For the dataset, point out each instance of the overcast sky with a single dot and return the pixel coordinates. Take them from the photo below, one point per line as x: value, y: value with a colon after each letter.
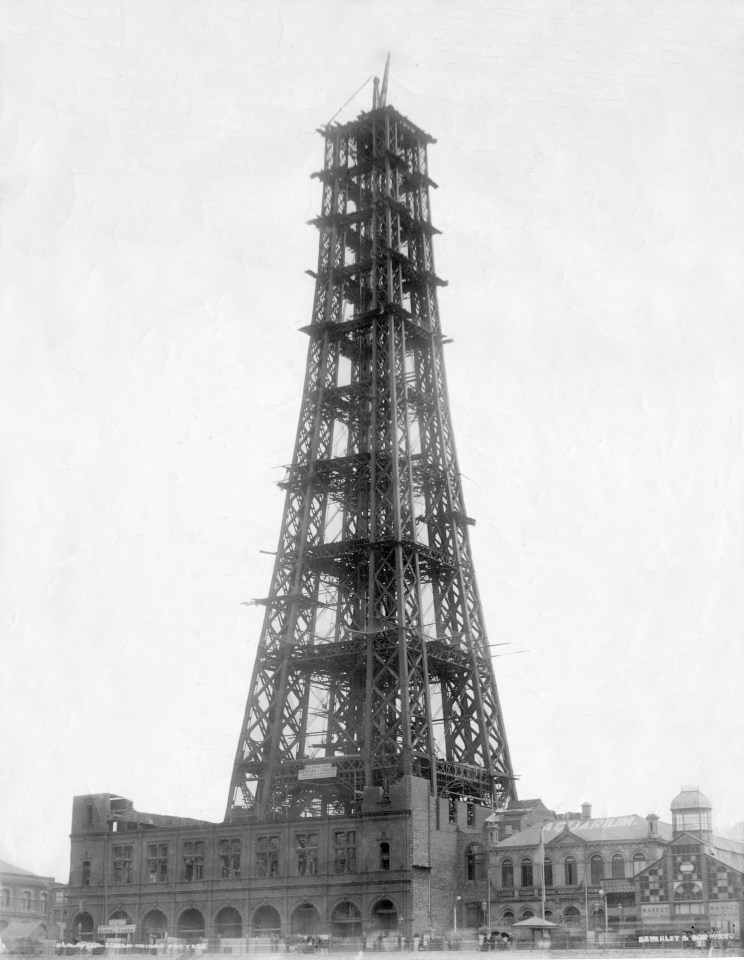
x: 157, y: 159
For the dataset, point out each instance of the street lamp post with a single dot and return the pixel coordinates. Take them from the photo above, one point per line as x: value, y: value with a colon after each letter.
x: 457, y: 900
x: 603, y: 894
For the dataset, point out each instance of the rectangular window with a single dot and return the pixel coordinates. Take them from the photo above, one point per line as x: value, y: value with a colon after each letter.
x: 88, y: 814
x: 157, y: 862
x: 475, y: 862
x: 122, y: 864
x: 229, y: 852
x: 85, y: 877
x: 193, y: 860
x: 507, y: 874
x: 344, y: 851
x: 571, y: 872
x: 306, y: 845
x: 693, y: 822
x: 267, y: 856
x: 548, y: 873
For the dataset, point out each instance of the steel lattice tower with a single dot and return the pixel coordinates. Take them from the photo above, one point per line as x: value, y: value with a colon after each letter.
x: 373, y: 661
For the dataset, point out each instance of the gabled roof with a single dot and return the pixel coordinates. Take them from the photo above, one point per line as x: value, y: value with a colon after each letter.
x: 726, y: 843
x: 8, y: 870
x: 566, y: 835
x: 600, y: 830
x: 728, y: 852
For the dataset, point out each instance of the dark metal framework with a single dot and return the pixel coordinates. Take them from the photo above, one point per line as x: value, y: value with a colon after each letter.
x: 373, y: 661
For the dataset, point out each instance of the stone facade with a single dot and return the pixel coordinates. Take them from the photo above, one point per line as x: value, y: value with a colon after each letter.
x: 589, y: 865
x: 646, y: 875
x: 30, y: 900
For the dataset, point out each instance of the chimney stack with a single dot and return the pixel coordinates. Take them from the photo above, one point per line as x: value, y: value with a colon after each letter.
x: 586, y: 811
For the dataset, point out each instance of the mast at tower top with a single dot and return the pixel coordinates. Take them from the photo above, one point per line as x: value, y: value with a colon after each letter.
x: 373, y: 663
x: 379, y: 96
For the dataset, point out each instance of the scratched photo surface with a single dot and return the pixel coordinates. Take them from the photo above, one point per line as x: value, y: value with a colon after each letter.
x: 157, y: 191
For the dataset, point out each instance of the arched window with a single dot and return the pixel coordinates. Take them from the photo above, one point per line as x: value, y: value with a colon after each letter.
x: 527, y: 915
x: 385, y: 915
x: 639, y: 862
x: 571, y: 916
x: 266, y: 921
x: 526, y: 872
x: 618, y: 867
x: 43, y: 902
x: 306, y: 921
x: 475, y: 862
x: 508, y: 917
x: 4, y: 897
x: 548, y: 872
x: 154, y: 925
x: 507, y: 873
x: 570, y: 872
x: 346, y: 921
x: 26, y: 900
x: 688, y: 891
x: 190, y: 925
x: 228, y: 923
x: 85, y: 876
x: 83, y: 927
x: 596, y: 866
x: 384, y: 855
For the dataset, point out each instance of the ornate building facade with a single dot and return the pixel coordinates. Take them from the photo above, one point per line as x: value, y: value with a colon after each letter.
x: 699, y: 879
x: 576, y: 865
x: 616, y: 874
x: 30, y: 905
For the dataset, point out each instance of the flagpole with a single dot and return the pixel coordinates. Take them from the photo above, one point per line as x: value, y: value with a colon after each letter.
x: 542, y: 867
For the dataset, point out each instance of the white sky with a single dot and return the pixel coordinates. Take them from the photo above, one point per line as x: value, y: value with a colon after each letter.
x: 156, y: 186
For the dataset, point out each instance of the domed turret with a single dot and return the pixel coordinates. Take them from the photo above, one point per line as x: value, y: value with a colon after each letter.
x: 692, y: 813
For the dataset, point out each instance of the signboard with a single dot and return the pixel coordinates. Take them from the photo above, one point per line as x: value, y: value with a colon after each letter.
x: 699, y: 938
x: 317, y: 771
x: 723, y: 908
x: 653, y: 912
x: 687, y: 867
x: 572, y: 891
x: 120, y: 927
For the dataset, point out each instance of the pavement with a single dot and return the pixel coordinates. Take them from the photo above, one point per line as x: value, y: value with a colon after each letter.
x: 590, y: 952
